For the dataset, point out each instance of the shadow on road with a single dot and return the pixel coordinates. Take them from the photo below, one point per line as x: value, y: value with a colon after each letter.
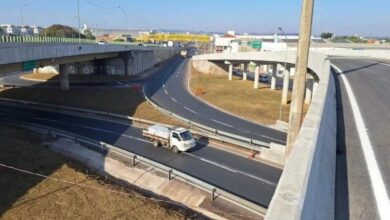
x: 341, y: 191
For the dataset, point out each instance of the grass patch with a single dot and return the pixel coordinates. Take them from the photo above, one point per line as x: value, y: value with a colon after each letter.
x: 25, y: 196
x: 126, y: 101
x: 53, y: 77
x: 239, y: 98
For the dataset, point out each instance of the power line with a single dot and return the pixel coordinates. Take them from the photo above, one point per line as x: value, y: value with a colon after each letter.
x: 115, y: 191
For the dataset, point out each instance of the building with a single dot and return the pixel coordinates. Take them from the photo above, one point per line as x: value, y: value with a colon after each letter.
x: 22, y: 30
x: 231, y: 43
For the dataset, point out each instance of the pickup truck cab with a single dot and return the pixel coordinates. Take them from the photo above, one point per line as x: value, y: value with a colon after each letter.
x: 177, y: 139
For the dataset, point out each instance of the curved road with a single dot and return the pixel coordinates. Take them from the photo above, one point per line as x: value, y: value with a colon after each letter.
x: 251, y: 180
x: 169, y: 89
x: 363, y: 151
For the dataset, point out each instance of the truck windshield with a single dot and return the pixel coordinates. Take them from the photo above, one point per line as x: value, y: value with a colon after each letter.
x: 185, y: 136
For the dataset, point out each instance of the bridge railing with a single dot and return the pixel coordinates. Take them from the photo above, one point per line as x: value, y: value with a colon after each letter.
x: 306, y: 187
x: 64, y: 40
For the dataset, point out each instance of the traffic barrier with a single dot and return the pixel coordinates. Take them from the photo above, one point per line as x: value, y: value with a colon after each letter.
x: 134, y: 159
x: 211, y: 134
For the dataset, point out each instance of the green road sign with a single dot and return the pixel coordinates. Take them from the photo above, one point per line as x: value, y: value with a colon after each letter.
x: 29, y: 65
x: 257, y: 44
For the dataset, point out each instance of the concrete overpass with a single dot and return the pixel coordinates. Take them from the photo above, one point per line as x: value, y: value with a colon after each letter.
x: 82, y: 59
x: 306, y: 189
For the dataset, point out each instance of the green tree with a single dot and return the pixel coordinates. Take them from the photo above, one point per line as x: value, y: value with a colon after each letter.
x: 89, y: 35
x: 327, y: 35
x: 58, y: 30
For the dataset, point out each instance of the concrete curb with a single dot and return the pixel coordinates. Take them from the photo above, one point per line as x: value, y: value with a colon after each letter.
x: 127, y: 157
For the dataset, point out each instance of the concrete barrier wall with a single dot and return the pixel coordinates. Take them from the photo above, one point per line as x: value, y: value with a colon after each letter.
x: 207, y: 67
x: 90, y: 59
x: 24, y: 53
x: 372, y: 53
x: 306, y: 187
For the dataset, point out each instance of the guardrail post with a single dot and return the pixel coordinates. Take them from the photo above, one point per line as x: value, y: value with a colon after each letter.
x: 213, y: 191
x: 170, y: 174
x: 133, y: 162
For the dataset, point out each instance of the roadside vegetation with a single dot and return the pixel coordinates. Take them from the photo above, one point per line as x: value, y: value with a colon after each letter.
x: 87, y: 195
x: 239, y: 98
x: 55, y: 77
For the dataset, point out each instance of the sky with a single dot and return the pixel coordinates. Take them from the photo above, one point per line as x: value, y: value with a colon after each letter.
x: 342, y: 17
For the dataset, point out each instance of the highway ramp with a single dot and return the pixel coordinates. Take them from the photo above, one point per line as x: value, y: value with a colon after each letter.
x: 169, y: 89
x: 248, y: 179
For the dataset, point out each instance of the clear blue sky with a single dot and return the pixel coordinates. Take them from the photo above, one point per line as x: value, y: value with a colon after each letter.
x: 368, y: 18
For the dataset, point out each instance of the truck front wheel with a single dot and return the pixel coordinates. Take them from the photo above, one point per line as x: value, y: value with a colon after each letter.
x: 175, y: 150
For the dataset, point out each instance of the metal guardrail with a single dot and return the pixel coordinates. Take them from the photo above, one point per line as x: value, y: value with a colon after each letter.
x: 64, y: 40
x: 209, y: 132
x: 107, y: 149
x: 223, y: 136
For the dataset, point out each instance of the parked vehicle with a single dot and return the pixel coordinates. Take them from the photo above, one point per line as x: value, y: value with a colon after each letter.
x: 177, y: 139
x: 264, y: 79
x: 184, y: 53
x: 102, y: 42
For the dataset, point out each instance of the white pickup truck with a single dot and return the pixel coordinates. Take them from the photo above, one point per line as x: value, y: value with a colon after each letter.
x: 177, y: 139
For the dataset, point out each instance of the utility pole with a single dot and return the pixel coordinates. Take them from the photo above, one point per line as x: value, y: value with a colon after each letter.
x: 78, y: 16
x: 125, y: 14
x: 21, y: 13
x: 296, y: 111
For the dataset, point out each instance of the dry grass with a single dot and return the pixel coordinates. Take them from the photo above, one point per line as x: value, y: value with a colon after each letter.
x: 126, y: 101
x: 24, y: 196
x: 238, y: 97
x: 53, y: 77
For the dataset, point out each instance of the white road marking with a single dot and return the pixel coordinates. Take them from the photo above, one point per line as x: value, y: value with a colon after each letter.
x: 221, y: 123
x: 174, y: 100
x: 166, y: 92
x: 385, y: 64
x: 230, y: 169
x: 110, y: 132
x: 190, y: 110
x: 377, y: 183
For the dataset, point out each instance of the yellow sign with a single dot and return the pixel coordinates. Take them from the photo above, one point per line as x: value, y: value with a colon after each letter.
x: 173, y: 37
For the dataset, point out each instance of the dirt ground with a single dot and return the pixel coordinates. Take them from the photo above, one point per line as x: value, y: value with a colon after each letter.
x: 54, y: 77
x: 238, y: 97
x: 87, y: 195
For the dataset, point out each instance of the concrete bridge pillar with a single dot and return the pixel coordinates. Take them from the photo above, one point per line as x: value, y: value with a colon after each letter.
x: 245, y: 71
x: 64, y: 77
x: 315, y: 85
x: 257, y: 75
x: 230, y: 70
x: 273, y: 76
x: 308, y: 93
x: 286, y: 83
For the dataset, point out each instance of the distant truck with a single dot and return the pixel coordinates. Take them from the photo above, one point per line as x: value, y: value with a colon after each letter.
x: 184, y: 53
x: 177, y: 139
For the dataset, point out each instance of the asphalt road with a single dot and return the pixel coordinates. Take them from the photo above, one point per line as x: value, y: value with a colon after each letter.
x: 243, y: 177
x: 355, y: 183
x: 169, y: 89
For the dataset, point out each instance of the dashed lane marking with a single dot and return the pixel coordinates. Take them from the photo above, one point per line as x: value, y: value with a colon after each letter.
x: 190, y: 110
x: 221, y: 123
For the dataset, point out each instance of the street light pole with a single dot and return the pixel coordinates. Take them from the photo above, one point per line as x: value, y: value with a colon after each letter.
x: 21, y: 13
x: 296, y: 112
x: 78, y: 16
x: 285, y: 69
x: 124, y: 12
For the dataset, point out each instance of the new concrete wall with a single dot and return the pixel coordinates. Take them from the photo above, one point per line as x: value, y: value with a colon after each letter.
x: 206, y: 67
x: 306, y: 187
